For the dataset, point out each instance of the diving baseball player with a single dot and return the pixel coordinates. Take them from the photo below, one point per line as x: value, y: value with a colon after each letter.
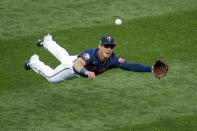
x: 86, y: 64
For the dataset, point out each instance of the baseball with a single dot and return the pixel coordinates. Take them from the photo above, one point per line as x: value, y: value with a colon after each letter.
x: 118, y: 21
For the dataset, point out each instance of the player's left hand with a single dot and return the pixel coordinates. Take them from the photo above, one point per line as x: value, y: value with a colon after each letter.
x: 91, y: 75
x: 160, y: 68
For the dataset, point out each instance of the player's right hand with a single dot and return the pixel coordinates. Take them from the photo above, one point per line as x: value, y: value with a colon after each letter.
x: 91, y: 75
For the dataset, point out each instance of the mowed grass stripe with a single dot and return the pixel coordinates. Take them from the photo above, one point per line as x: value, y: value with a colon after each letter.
x: 27, y: 18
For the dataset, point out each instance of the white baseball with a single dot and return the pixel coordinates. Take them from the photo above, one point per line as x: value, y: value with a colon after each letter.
x: 118, y: 21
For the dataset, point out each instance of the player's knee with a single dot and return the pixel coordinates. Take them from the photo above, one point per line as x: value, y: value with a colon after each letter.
x: 52, y: 80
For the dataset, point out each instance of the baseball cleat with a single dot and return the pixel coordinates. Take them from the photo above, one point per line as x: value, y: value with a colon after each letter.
x: 48, y: 38
x: 40, y: 43
x: 27, y: 66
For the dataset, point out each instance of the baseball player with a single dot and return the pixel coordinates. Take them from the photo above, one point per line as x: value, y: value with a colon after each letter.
x: 86, y: 64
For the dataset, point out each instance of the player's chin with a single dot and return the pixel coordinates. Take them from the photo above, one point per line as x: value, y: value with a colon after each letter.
x: 107, y: 55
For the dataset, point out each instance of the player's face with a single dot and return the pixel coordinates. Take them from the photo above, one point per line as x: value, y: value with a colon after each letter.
x: 106, y: 50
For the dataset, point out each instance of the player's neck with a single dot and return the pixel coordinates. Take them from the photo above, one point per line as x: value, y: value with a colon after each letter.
x: 101, y: 58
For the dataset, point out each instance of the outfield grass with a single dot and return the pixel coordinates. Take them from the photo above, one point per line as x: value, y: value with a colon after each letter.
x: 116, y: 100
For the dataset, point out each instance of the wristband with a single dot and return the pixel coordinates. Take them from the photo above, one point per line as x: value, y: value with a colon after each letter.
x: 83, y: 70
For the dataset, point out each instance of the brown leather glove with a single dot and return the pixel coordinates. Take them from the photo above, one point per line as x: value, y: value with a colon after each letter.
x: 160, y: 68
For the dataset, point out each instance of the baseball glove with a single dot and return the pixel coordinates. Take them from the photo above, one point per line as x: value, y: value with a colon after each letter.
x: 160, y: 68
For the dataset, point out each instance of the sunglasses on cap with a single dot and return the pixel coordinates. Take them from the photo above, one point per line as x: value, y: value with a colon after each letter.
x: 109, y: 46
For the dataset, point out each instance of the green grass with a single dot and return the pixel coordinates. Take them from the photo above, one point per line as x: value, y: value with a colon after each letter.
x: 116, y: 100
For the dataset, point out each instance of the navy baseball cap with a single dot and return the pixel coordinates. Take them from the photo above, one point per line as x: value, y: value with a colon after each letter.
x: 107, y: 40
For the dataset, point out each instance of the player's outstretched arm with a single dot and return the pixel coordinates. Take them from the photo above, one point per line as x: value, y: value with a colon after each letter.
x: 79, y: 66
x: 137, y: 67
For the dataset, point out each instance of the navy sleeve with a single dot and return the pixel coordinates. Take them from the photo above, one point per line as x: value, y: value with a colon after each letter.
x: 116, y: 62
x: 87, y: 56
x: 137, y: 67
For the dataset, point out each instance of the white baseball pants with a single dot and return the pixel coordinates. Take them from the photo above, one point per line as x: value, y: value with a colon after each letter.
x: 62, y: 72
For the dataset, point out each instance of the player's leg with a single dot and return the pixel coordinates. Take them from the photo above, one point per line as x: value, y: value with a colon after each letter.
x: 39, y: 67
x: 70, y: 59
x: 62, y: 72
x: 60, y: 53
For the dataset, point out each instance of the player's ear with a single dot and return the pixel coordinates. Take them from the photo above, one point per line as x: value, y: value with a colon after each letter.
x: 99, y: 45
